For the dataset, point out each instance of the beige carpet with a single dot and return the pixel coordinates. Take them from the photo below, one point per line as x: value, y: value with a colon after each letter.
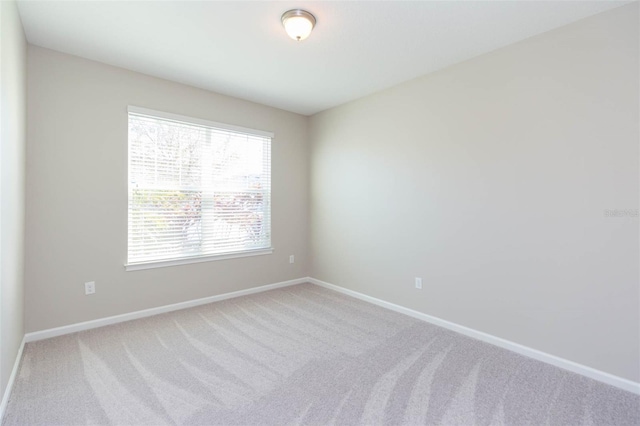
x: 298, y: 355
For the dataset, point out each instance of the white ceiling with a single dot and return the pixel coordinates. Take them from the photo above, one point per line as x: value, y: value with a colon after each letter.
x: 239, y: 48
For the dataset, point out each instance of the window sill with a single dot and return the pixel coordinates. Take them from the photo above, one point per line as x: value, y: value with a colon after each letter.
x: 199, y: 259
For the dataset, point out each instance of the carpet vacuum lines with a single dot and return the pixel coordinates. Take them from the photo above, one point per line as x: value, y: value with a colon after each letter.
x: 297, y: 355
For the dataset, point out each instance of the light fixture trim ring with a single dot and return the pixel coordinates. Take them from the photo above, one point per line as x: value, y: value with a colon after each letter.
x: 298, y: 13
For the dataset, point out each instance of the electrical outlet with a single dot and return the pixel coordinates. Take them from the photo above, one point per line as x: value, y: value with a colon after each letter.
x: 292, y: 259
x: 419, y: 283
x: 90, y: 287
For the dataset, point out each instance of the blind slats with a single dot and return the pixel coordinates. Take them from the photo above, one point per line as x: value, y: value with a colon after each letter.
x: 196, y: 190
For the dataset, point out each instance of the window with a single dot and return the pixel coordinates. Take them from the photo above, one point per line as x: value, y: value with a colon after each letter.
x: 198, y: 190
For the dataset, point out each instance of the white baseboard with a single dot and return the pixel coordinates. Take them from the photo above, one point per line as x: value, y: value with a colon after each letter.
x: 12, y: 379
x: 87, y: 325
x: 574, y: 367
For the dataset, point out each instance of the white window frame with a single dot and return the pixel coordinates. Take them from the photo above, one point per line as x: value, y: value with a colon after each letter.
x: 194, y: 259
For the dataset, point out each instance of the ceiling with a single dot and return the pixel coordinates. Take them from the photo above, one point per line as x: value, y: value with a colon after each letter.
x: 239, y: 48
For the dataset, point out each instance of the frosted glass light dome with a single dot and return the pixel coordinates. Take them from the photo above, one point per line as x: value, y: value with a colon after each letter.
x: 298, y: 23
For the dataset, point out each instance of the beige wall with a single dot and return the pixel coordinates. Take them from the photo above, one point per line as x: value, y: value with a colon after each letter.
x: 77, y: 193
x: 13, y: 80
x: 490, y: 180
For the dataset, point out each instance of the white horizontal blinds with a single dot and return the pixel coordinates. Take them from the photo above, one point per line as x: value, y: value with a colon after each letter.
x: 196, y: 190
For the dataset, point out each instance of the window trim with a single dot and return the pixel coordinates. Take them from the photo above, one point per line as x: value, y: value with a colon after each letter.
x: 197, y: 121
x: 203, y: 258
x: 195, y: 259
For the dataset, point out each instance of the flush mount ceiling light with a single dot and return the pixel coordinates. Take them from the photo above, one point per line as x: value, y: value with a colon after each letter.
x: 298, y: 23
